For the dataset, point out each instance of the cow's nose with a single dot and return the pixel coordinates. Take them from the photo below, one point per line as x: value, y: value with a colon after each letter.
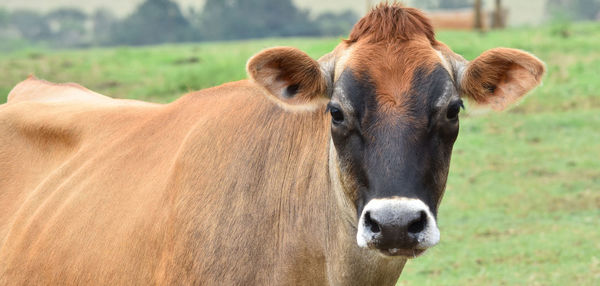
x: 396, y: 230
x: 399, y: 225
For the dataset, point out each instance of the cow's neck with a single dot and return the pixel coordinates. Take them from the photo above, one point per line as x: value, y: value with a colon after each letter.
x: 347, y: 263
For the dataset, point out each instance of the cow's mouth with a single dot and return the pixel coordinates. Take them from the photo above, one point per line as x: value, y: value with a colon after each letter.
x: 408, y: 253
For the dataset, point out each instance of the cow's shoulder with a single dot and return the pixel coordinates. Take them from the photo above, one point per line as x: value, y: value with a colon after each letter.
x: 33, y: 89
x: 37, y: 90
x: 38, y: 112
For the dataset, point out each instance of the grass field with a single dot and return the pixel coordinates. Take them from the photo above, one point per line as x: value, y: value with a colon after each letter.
x: 522, y: 206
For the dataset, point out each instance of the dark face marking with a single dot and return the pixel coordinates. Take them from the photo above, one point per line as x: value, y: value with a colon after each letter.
x: 353, y: 97
x: 388, y: 154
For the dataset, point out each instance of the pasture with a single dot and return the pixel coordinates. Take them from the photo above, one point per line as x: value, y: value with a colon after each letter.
x: 522, y: 205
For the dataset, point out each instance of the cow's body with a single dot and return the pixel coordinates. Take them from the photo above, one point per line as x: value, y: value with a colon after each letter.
x: 98, y: 190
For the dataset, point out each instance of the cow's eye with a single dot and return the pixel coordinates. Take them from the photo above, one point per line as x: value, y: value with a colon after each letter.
x: 454, y: 109
x: 337, y: 116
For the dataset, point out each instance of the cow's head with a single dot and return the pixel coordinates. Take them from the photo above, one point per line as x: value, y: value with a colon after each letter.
x: 394, y: 94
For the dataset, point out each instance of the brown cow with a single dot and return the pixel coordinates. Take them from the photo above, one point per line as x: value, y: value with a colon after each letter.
x: 251, y: 182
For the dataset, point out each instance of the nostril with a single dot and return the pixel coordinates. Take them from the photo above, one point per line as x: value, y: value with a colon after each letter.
x: 371, y: 223
x: 419, y: 224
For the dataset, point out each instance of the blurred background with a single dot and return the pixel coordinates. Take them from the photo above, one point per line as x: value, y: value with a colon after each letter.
x: 69, y: 24
x: 522, y: 205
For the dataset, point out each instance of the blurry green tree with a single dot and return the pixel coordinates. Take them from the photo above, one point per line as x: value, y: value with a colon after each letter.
x: 242, y: 19
x: 31, y: 25
x: 575, y: 9
x: 332, y: 24
x: 4, y: 18
x: 153, y: 22
x: 67, y: 27
x: 161, y: 21
x: 102, y: 22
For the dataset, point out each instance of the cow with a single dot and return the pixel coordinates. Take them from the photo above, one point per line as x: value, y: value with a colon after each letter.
x: 311, y: 172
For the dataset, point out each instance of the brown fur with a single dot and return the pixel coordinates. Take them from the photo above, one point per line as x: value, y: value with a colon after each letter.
x: 390, y: 72
x: 44, y: 92
x: 116, y: 193
x: 391, y: 23
x: 501, y: 76
x: 392, y: 32
x: 277, y: 68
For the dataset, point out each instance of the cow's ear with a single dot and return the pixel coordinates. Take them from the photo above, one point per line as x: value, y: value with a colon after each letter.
x: 500, y: 76
x: 290, y: 76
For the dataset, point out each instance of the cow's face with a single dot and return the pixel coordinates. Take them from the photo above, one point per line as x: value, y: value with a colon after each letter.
x: 394, y: 100
x: 394, y: 119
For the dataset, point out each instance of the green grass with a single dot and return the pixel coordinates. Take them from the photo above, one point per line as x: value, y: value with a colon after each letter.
x: 158, y: 73
x: 522, y: 204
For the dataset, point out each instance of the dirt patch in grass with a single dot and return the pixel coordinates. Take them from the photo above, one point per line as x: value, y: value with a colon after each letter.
x: 35, y: 56
x: 496, y: 232
x: 585, y: 200
x: 108, y: 84
x: 186, y: 61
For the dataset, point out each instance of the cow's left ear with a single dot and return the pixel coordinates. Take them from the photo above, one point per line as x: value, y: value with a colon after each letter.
x: 500, y: 76
x: 290, y: 76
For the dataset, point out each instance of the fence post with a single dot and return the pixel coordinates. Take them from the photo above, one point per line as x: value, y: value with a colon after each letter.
x: 478, y: 15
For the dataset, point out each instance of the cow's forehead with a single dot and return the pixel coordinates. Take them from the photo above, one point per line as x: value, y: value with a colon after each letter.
x: 397, y: 75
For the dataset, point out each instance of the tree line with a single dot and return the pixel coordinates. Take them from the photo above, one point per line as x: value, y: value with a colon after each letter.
x: 162, y: 21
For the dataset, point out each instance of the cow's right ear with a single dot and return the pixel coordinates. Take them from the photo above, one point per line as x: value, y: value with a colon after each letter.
x: 290, y: 76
